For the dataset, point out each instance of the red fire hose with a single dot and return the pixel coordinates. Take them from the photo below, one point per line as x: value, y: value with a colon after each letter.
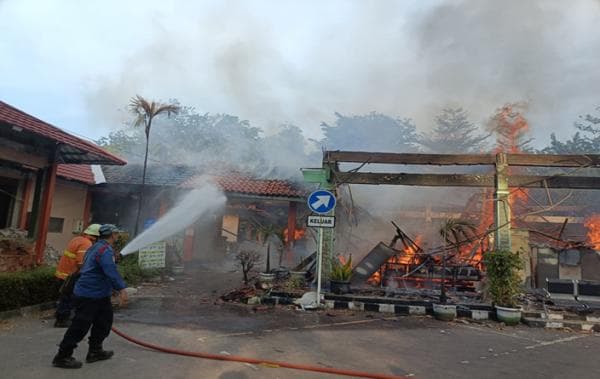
x: 263, y: 362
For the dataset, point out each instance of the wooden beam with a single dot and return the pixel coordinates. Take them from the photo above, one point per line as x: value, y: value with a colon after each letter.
x: 426, y: 180
x: 537, y: 160
x: 409, y: 158
x: 549, y: 160
x: 465, y: 180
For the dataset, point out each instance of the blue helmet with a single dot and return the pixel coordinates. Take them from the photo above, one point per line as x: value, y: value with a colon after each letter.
x: 108, y: 229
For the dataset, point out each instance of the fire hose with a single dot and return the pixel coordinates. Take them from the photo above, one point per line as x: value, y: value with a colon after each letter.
x: 262, y: 362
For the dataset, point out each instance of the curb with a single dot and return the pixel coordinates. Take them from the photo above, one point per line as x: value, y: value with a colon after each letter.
x: 406, y: 310
x: 28, y: 310
x: 583, y: 326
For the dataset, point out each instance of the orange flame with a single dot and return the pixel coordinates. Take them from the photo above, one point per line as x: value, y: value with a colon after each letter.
x: 592, y: 224
x: 510, y: 126
x: 408, y: 257
x: 298, y: 234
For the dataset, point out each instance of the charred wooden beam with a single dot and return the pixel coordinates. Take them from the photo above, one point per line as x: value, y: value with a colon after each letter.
x: 409, y: 158
x: 537, y: 160
x: 465, y: 180
x: 548, y: 160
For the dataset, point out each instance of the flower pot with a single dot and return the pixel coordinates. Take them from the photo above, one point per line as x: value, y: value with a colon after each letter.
x: 509, y: 316
x: 339, y: 287
x: 265, y: 277
x: 444, y: 312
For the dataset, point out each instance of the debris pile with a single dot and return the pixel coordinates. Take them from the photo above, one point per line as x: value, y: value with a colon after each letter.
x: 15, y: 242
x: 51, y: 255
x: 239, y: 294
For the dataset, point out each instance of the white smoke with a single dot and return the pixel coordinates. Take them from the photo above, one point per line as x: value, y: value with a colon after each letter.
x: 198, y: 203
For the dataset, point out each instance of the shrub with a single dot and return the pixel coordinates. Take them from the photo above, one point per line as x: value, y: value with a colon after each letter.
x: 504, y: 283
x: 132, y: 273
x: 247, y: 260
x: 20, y: 289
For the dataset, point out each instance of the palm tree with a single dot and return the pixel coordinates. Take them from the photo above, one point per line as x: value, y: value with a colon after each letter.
x: 144, y: 112
x: 454, y: 233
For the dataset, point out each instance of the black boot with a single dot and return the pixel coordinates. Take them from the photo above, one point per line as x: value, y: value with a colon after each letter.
x: 96, y: 353
x: 65, y: 360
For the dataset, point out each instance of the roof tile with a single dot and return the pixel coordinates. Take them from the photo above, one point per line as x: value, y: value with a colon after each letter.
x: 18, y: 118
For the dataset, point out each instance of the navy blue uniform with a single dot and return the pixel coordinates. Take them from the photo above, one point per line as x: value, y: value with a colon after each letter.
x: 93, y: 309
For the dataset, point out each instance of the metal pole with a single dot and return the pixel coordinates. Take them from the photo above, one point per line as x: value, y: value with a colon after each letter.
x: 319, y: 265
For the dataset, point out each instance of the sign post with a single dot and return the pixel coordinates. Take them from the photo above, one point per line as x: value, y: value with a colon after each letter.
x: 152, y: 256
x: 321, y: 202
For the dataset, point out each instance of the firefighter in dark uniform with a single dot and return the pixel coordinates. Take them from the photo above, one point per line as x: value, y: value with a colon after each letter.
x: 93, y: 308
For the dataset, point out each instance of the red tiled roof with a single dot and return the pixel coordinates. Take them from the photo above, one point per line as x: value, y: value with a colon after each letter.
x: 78, y: 172
x: 236, y: 183
x: 92, y: 153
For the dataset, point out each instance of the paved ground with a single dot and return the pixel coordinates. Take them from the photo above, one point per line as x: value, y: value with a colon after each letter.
x: 408, y: 346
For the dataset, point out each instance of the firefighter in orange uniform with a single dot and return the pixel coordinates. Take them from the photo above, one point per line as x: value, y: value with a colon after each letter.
x: 69, y: 264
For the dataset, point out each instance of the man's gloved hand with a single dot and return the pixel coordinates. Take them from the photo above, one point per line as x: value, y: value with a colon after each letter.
x: 123, y: 297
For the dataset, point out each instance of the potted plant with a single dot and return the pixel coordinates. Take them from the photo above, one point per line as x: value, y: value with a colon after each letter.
x: 339, y: 278
x: 504, y: 284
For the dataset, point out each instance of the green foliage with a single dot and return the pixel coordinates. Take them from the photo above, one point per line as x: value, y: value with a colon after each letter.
x: 121, y: 241
x: 454, y: 133
x: 504, y: 283
x: 371, y: 132
x: 25, y: 288
x: 341, y: 272
x: 132, y: 273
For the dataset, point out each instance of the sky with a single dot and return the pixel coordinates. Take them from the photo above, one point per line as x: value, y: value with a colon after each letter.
x: 76, y: 63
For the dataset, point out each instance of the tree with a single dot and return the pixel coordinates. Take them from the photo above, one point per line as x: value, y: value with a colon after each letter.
x: 267, y: 232
x: 578, y: 144
x: 247, y: 259
x: 454, y: 133
x: 127, y: 143
x: 145, y: 112
x: 585, y: 141
x: 373, y: 131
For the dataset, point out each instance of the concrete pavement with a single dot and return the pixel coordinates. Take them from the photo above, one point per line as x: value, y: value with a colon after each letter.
x: 409, y: 346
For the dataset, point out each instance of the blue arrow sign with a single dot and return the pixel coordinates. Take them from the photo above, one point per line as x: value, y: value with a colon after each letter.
x: 321, y: 201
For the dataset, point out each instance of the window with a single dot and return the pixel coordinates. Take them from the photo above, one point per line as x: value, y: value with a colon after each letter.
x: 56, y: 225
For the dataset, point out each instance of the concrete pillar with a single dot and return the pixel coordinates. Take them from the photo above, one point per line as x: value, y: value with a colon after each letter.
x: 520, y: 245
x: 188, y: 244
x: 87, y: 209
x: 502, y: 214
x: 291, y: 227
x: 27, y: 193
x: 45, y: 211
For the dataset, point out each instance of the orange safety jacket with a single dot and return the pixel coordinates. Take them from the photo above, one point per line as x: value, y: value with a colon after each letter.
x: 72, y: 257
